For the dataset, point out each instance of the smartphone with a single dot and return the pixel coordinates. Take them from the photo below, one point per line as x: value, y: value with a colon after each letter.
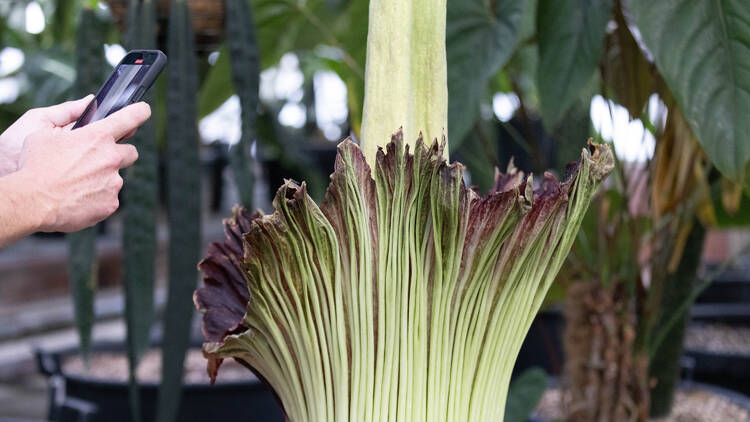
x: 127, y: 84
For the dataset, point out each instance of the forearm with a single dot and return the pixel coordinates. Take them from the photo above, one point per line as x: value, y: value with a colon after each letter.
x: 19, y: 214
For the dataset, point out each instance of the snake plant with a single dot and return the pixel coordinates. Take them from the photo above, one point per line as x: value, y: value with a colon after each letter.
x: 405, y: 295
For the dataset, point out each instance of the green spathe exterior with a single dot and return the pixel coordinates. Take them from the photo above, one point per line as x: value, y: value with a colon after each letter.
x: 404, y: 297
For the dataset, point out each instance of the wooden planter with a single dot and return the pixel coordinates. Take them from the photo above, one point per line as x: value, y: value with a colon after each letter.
x: 208, y: 21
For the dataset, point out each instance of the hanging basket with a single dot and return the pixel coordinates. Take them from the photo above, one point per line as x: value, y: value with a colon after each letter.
x: 208, y: 21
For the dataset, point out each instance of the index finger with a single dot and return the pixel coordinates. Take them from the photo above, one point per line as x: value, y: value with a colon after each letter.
x: 122, y: 122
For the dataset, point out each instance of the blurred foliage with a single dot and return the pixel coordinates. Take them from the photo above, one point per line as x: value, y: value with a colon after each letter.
x: 524, y: 394
x: 48, y: 71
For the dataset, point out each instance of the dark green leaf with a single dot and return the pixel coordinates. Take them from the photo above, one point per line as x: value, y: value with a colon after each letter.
x: 480, y: 38
x: 571, y: 40
x: 183, y: 202
x: 524, y: 394
x: 702, y: 50
x: 82, y: 272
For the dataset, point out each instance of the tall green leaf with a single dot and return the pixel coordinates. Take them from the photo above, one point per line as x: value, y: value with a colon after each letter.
x: 481, y: 36
x: 82, y: 272
x: 245, y: 65
x: 702, y: 49
x: 571, y: 40
x: 82, y: 265
x: 140, y: 196
x: 183, y: 201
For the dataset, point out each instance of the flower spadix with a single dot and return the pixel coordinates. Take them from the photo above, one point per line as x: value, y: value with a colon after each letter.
x: 404, y: 296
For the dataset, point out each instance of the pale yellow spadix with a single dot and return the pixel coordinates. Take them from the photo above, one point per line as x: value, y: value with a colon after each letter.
x: 406, y: 73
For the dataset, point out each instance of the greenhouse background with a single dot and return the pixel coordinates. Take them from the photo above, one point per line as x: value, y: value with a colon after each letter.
x: 647, y: 319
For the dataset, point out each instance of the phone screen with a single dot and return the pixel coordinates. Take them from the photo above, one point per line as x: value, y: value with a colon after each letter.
x: 116, y: 92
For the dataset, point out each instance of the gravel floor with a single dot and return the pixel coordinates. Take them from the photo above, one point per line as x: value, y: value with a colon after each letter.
x: 114, y: 366
x: 718, y: 338
x: 690, y: 406
x: 24, y: 397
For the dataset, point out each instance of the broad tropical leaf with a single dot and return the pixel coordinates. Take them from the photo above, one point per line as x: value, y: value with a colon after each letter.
x: 571, y: 40
x: 403, y: 295
x: 480, y: 38
x: 702, y: 49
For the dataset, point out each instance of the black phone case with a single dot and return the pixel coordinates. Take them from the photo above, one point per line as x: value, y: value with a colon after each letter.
x: 159, y: 63
x: 153, y: 72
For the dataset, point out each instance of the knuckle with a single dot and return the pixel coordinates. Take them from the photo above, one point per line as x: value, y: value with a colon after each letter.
x: 112, y: 158
x: 106, y: 137
x: 117, y: 183
x: 133, y: 152
x: 33, y: 113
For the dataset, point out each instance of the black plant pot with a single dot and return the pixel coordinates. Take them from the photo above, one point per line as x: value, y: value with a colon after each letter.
x: 723, y: 369
x: 730, y: 287
x: 79, y: 398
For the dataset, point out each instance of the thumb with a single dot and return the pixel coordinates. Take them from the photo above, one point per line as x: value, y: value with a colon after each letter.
x: 67, y: 112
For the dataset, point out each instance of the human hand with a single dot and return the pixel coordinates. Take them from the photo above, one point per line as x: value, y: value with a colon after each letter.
x: 11, y: 141
x: 74, y: 174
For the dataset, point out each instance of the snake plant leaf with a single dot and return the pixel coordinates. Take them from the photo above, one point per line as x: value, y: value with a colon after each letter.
x: 245, y: 66
x: 480, y: 38
x: 705, y: 44
x: 140, y: 195
x: 403, y: 296
x: 571, y: 41
x: 183, y: 205
x: 82, y: 262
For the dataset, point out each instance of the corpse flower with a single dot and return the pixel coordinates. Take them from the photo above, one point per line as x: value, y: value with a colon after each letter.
x: 404, y: 296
